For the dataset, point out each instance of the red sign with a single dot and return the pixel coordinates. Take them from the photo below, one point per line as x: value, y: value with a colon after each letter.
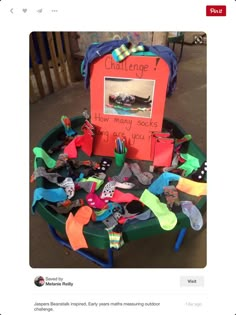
x: 127, y: 101
x: 216, y: 10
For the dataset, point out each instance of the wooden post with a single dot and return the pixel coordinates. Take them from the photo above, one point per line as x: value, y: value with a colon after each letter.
x: 69, y: 56
x: 160, y: 38
x: 45, y: 62
x: 61, y: 57
x: 54, y: 58
x: 35, y: 67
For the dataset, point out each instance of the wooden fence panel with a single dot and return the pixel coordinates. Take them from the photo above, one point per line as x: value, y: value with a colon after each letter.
x: 61, y: 57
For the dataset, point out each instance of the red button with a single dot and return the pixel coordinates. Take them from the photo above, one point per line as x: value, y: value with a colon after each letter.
x: 216, y: 10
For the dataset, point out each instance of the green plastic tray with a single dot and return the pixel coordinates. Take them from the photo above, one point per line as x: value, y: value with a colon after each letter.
x: 95, y: 232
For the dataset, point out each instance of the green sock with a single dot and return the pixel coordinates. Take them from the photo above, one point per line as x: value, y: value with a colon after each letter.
x: 40, y: 153
x: 167, y: 218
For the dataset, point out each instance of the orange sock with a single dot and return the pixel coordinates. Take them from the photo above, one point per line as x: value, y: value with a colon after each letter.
x: 74, y: 227
x: 191, y: 187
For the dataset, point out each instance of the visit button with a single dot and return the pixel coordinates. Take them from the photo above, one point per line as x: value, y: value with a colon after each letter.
x: 216, y: 10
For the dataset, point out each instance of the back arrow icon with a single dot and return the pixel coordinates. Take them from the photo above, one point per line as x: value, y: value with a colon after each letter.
x: 11, y: 10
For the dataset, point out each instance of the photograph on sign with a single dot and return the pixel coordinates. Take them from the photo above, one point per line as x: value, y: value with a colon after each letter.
x: 128, y: 96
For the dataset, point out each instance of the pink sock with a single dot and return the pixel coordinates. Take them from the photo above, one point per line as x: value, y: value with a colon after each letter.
x: 71, y: 148
x: 119, y: 196
x: 94, y: 201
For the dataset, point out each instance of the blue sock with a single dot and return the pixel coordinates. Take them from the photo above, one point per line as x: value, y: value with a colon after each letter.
x: 163, y: 180
x: 52, y: 195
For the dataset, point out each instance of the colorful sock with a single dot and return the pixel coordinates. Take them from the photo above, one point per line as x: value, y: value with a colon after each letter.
x: 41, y: 172
x: 167, y: 218
x: 103, y: 214
x: 40, y: 153
x: 67, y: 125
x: 52, y: 195
x: 115, y: 238
x: 191, y: 187
x: 74, y: 227
x: 200, y: 173
x: 67, y: 206
x: 120, y: 197
x: 191, y: 163
x: 94, y: 201
x: 163, y: 180
x: 69, y: 186
x: 124, y: 174
x: 104, y: 165
x: 191, y: 211
x: 144, y: 177
x: 97, y: 181
x: 171, y: 195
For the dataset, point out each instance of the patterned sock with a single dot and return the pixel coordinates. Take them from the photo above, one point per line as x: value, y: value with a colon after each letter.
x: 199, y: 175
x: 124, y: 174
x: 145, y: 178
x: 104, y: 165
x: 171, y: 195
x: 115, y: 237
x: 67, y: 126
x: 191, y: 211
x: 163, y: 180
x: 69, y: 186
x: 94, y: 201
x: 167, y: 218
x: 108, y: 191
